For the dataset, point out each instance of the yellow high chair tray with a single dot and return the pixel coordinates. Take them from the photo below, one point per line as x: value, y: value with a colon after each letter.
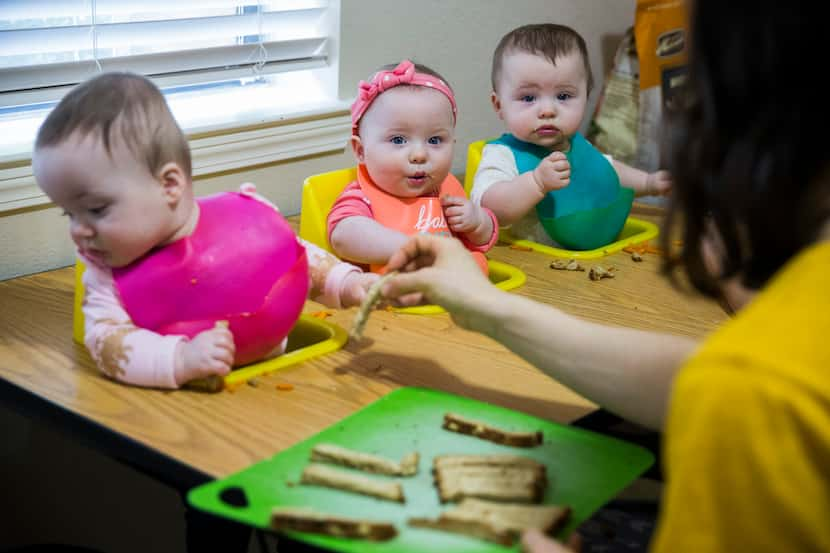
x: 634, y: 231
x: 310, y: 337
x: 319, y: 194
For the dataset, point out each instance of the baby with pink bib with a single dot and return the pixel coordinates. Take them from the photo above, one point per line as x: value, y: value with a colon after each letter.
x: 164, y: 267
x: 403, y: 133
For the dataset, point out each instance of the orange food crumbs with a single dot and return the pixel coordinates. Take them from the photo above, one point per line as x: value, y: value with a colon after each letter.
x: 521, y: 248
x: 284, y: 387
x: 194, y: 280
x: 321, y: 314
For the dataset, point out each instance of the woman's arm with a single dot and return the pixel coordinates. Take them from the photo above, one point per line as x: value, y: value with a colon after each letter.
x: 629, y: 372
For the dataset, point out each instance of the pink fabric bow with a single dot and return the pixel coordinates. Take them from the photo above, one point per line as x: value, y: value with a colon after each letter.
x: 403, y: 74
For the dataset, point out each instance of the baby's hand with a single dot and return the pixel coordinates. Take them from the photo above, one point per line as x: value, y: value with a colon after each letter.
x: 355, y: 286
x: 209, y: 352
x: 463, y: 216
x: 659, y: 183
x: 553, y: 172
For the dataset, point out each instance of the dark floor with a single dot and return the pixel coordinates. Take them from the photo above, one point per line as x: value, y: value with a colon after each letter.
x: 57, y: 491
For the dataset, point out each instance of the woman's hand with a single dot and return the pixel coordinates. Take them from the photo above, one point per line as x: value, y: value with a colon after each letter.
x: 439, y: 270
x: 534, y: 541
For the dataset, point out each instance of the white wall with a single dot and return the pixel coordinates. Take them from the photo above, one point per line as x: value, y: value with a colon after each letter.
x: 455, y: 37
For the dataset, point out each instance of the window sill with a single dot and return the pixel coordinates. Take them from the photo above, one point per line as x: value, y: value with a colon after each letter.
x: 252, y: 141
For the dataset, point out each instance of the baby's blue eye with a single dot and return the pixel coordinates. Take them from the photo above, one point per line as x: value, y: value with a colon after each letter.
x: 98, y: 210
x: 528, y: 98
x: 435, y: 140
x: 562, y: 96
x: 397, y: 140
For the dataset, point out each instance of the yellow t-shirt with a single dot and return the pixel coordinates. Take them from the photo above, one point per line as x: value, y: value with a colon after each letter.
x: 747, y: 448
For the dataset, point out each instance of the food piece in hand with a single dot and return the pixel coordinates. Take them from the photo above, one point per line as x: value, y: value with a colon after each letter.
x: 369, y: 302
x: 457, y: 423
x: 498, y: 522
x: 321, y: 475
x: 330, y: 453
x: 306, y: 520
x: 213, y: 383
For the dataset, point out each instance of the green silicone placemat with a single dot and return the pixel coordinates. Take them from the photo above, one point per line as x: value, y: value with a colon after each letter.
x: 585, y: 470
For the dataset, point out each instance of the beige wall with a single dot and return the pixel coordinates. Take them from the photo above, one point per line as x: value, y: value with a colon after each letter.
x: 455, y: 37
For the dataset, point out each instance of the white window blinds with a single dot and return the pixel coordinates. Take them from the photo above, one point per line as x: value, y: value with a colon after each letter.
x: 48, y: 46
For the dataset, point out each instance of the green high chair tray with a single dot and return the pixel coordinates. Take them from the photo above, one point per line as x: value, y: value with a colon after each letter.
x: 319, y: 194
x: 585, y: 470
x: 634, y: 230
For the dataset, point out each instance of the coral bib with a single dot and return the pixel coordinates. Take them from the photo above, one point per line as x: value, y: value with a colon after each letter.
x: 412, y: 215
x: 242, y: 264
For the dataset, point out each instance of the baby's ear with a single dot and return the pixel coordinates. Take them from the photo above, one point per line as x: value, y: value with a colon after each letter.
x: 174, y: 181
x: 494, y: 100
x: 357, y: 148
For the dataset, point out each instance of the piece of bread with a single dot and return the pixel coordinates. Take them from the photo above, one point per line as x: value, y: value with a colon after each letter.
x: 496, y: 522
x: 522, y: 487
x: 518, y: 518
x: 509, y: 478
x: 445, y: 461
x: 462, y: 425
x: 306, y: 520
x: 322, y: 475
x: 330, y: 453
x: 468, y: 526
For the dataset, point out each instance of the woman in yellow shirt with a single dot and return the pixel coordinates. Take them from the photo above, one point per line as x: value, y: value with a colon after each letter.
x: 746, y: 414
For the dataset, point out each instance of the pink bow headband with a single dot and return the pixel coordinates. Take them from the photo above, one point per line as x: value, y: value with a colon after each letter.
x: 403, y: 74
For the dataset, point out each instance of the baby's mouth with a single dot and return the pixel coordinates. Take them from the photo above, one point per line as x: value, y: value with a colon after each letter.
x: 418, y: 177
x: 547, y: 130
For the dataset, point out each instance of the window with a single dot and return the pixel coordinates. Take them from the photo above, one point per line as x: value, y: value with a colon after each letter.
x: 221, y: 63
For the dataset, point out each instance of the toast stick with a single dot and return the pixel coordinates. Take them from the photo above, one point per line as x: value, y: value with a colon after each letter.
x: 369, y: 302
x: 306, y: 520
x: 457, y: 423
x: 330, y: 453
x: 321, y: 475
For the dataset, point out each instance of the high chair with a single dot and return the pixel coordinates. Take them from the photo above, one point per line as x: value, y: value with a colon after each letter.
x: 309, y: 338
x: 634, y: 230
x: 319, y: 194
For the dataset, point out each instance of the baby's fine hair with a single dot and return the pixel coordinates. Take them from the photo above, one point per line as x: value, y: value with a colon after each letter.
x: 543, y: 39
x: 123, y: 103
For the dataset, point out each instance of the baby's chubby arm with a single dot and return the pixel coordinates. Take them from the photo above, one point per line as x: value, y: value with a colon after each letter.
x: 467, y: 219
x: 139, y: 356
x: 364, y: 240
x: 658, y: 183
x: 511, y: 199
x: 209, y: 352
x: 335, y: 283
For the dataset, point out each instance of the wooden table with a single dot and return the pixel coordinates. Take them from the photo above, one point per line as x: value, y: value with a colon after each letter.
x: 187, y: 437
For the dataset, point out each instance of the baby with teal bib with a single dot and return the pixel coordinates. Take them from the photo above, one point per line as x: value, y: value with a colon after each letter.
x: 542, y: 178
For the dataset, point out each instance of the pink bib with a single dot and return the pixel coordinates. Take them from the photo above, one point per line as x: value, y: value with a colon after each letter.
x: 241, y: 264
x: 411, y: 216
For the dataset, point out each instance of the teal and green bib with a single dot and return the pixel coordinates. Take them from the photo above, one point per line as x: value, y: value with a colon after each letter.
x: 588, y: 213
